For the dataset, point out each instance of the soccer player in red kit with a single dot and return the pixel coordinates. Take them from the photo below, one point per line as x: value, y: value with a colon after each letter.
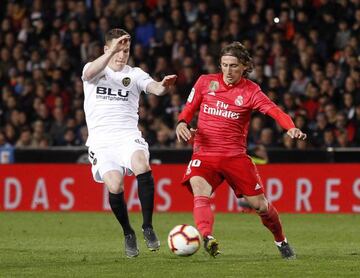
x: 225, y: 102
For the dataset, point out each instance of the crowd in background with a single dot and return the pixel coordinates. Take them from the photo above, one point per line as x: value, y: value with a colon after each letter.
x: 306, y: 56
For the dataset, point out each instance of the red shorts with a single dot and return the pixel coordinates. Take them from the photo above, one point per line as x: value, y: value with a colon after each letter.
x: 239, y: 172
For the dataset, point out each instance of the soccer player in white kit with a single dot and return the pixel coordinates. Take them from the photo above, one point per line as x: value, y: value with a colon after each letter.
x: 116, y: 147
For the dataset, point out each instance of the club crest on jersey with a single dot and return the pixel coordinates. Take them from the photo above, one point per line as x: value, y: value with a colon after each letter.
x: 214, y: 85
x: 126, y: 81
x: 239, y: 101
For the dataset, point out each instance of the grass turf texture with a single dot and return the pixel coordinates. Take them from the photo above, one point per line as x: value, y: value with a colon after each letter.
x: 91, y: 245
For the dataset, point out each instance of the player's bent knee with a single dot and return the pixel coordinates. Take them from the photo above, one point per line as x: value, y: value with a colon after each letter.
x: 141, y: 169
x: 115, y: 188
x: 262, y: 207
x: 259, y: 203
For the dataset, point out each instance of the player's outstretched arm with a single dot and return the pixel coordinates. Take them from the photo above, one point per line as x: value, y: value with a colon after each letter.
x: 160, y: 88
x: 286, y: 122
x: 100, y: 63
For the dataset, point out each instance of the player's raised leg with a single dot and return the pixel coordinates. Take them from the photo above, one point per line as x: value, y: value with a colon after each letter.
x: 115, y: 184
x: 270, y: 218
x: 142, y: 170
x: 203, y: 215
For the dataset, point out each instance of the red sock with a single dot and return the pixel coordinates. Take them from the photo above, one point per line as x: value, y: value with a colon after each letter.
x: 203, y: 215
x: 271, y: 220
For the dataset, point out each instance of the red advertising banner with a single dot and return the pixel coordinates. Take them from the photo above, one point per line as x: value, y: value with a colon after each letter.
x: 298, y: 188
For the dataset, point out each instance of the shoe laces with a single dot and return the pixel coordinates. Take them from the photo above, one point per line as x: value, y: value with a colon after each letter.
x: 130, y: 240
x: 149, y: 234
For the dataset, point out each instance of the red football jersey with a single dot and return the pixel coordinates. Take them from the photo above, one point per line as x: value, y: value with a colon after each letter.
x: 224, y: 114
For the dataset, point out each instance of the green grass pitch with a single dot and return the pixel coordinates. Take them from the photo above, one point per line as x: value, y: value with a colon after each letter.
x: 91, y: 245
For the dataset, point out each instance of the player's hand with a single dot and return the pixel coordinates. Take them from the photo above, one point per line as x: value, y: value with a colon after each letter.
x: 296, y: 133
x: 120, y: 43
x: 169, y: 80
x: 182, y: 132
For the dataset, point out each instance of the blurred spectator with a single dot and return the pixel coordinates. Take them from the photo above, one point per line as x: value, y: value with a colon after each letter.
x: 342, y: 35
x: 58, y: 127
x: 145, y: 31
x: 267, y: 137
x: 299, y: 82
x: 329, y: 139
x: 163, y: 138
x: 6, y: 150
x: 303, y: 145
x: 307, y: 61
x: 256, y: 126
x: 357, y: 125
x: 24, y: 138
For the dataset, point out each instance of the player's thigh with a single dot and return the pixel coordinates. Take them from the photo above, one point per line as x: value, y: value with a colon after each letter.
x: 201, y: 176
x: 200, y: 187
x: 104, y: 159
x: 135, y: 155
x: 114, y: 181
x: 140, y: 162
x: 242, y: 175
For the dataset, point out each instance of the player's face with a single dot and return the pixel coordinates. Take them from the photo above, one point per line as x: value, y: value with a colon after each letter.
x: 120, y: 58
x: 232, y: 69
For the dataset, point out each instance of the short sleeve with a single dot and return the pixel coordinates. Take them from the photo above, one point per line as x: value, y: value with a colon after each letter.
x: 142, y: 80
x: 94, y: 78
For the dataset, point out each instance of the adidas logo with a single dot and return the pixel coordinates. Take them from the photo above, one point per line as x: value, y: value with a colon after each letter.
x: 257, y: 186
x: 103, y: 77
x: 211, y: 93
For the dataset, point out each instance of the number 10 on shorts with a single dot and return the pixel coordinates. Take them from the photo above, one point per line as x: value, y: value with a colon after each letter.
x: 193, y: 163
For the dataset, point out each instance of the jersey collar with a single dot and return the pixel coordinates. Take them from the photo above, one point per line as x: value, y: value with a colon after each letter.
x: 228, y: 87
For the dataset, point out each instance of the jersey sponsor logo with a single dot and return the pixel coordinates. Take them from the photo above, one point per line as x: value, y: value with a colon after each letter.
x: 108, y: 94
x: 126, y: 81
x: 221, y: 110
x: 239, y: 101
x: 191, y: 95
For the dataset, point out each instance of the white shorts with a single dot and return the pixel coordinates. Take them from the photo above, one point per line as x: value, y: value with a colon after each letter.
x: 115, y: 157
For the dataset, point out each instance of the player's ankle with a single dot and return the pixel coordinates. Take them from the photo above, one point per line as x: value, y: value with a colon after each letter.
x: 278, y: 243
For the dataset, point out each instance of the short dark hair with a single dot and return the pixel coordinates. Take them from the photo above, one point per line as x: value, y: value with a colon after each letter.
x: 114, y: 34
x: 239, y: 51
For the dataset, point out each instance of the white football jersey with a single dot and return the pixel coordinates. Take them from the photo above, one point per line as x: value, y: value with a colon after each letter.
x: 111, y: 104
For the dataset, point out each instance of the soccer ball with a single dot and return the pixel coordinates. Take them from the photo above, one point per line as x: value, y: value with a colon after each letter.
x: 184, y: 240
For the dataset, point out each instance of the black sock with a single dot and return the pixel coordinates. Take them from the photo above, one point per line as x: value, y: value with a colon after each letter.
x: 118, y: 206
x: 146, y: 196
